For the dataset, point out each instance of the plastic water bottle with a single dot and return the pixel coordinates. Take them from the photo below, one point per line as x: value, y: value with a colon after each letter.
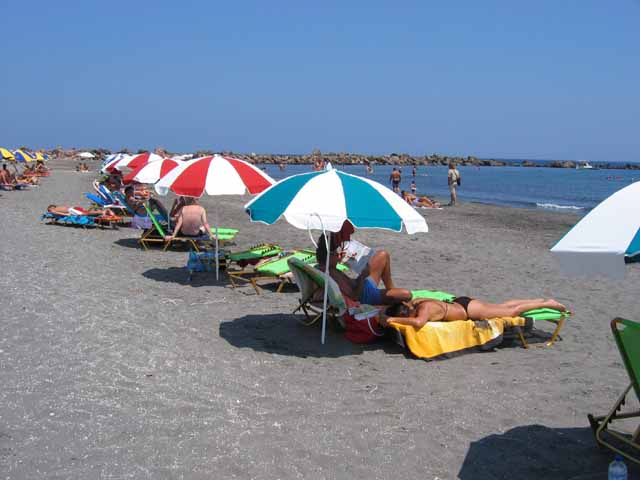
x: 617, y: 469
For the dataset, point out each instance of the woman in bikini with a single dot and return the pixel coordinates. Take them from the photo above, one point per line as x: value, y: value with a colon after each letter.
x: 418, y: 312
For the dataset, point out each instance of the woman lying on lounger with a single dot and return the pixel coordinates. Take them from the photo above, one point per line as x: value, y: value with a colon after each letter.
x: 65, y: 211
x: 418, y: 312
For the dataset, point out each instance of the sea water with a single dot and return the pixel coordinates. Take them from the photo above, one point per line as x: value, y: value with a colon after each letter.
x: 557, y: 189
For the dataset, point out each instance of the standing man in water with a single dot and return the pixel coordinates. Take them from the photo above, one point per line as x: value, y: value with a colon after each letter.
x: 453, y: 177
x: 395, y: 179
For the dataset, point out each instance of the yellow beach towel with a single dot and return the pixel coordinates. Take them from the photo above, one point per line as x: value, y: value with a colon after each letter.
x: 438, y: 338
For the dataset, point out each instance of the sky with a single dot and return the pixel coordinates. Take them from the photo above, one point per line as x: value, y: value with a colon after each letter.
x: 496, y: 79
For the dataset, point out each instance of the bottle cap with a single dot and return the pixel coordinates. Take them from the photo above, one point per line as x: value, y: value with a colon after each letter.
x: 618, y: 457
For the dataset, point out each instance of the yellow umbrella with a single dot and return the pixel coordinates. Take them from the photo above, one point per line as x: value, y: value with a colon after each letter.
x: 6, y: 154
x: 39, y: 156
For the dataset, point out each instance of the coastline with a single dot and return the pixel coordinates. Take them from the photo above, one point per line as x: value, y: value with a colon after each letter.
x: 115, y: 364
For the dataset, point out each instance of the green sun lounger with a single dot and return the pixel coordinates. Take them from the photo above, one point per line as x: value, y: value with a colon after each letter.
x: 275, y: 269
x: 254, y: 254
x: 539, y: 314
x: 156, y: 235
x: 311, y: 283
x: 627, y: 336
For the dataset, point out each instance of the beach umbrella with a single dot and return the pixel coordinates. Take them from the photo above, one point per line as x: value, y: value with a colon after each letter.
x: 87, y: 155
x: 7, y: 155
x: 602, y: 239
x: 112, y: 165
x: 138, y: 161
x: 214, y: 175
x: 22, y: 156
x: 325, y: 200
x: 151, y: 172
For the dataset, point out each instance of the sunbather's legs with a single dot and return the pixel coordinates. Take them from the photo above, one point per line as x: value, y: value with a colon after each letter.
x: 515, y: 302
x: 380, y: 269
x: 481, y: 310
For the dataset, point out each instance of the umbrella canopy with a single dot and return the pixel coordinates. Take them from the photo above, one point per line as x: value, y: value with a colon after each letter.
x: 22, y: 156
x: 6, y: 154
x: 216, y: 175
x: 599, y: 242
x: 111, y: 165
x: 86, y: 155
x: 138, y: 161
x: 324, y: 200
x: 151, y: 172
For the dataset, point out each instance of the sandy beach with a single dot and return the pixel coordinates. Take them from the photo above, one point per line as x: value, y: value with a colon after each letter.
x: 113, y: 365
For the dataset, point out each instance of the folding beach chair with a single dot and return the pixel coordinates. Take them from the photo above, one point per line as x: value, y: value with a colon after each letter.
x: 627, y: 336
x: 102, y: 203
x: 273, y: 269
x: 156, y: 235
x: 310, y: 282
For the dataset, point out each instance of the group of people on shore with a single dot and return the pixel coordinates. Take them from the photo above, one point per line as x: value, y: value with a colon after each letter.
x: 21, y: 180
x: 454, y: 179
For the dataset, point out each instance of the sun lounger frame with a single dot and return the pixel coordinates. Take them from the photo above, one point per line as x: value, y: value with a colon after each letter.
x: 600, y: 425
x: 253, y: 275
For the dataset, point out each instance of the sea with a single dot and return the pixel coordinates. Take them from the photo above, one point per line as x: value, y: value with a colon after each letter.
x: 553, y: 189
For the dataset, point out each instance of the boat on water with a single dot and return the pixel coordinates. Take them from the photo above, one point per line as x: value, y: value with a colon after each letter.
x: 584, y: 166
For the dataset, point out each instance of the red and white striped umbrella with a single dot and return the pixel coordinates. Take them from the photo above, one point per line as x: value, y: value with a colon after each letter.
x: 151, y: 172
x: 112, y: 165
x: 216, y: 175
x: 138, y: 161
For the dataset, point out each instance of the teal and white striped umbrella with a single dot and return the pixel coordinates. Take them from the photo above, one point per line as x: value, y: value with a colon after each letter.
x: 324, y: 200
x: 604, y: 238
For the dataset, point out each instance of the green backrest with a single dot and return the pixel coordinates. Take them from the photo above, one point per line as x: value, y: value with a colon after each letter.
x: 279, y: 266
x: 627, y: 336
x: 154, y: 220
x: 433, y: 294
x: 259, y: 251
x: 311, y: 283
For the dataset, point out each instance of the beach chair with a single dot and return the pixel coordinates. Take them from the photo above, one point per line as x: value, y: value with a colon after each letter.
x: 627, y: 336
x: 272, y: 269
x: 310, y: 282
x: 156, y: 235
x: 102, y: 203
x: 253, y: 255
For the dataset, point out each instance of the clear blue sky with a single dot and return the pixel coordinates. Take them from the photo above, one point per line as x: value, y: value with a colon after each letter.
x: 493, y: 78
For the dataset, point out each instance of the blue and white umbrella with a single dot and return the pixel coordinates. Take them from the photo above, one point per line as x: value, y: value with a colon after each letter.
x: 324, y: 200
x: 600, y: 242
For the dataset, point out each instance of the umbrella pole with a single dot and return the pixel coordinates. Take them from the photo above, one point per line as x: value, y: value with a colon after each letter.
x: 217, y: 263
x: 326, y: 289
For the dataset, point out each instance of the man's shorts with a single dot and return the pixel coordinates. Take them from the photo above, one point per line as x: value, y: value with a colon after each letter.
x: 370, y: 293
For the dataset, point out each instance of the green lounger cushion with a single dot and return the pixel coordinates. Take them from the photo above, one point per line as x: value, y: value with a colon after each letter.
x: 434, y: 294
x: 545, y: 314
x: 259, y: 251
x: 279, y: 266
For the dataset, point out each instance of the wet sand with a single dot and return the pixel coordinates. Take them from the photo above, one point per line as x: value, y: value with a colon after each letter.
x: 114, y: 365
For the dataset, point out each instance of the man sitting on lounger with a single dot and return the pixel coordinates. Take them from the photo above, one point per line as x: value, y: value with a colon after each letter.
x: 137, y: 205
x: 418, y: 312
x: 192, y: 220
x: 6, y: 178
x: 364, y: 288
x: 65, y: 211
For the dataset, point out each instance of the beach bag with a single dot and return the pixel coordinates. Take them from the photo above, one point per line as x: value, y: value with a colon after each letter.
x: 361, y: 327
x: 459, y: 180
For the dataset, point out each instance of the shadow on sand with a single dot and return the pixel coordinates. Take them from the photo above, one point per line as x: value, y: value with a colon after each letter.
x: 535, y: 452
x: 180, y: 275
x: 284, y: 335
x: 128, y: 243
